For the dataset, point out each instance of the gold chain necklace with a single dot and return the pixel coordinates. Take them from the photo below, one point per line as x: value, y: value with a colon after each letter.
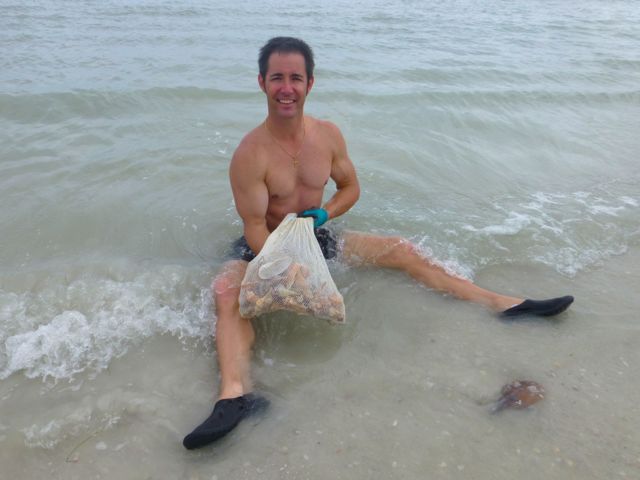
x: 293, y: 157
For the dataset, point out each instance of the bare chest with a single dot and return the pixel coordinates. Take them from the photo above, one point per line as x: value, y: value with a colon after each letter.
x: 309, y: 172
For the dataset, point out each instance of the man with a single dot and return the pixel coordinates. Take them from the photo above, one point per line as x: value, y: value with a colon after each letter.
x: 282, y: 166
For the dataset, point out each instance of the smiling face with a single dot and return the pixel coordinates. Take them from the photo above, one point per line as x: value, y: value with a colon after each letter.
x: 286, y: 84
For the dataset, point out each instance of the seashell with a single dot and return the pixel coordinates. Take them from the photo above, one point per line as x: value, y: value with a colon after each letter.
x: 292, y: 275
x: 251, y: 297
x: 304, y: 271
x: 284, y: 292
x: 274, y: 268
x: 264, y: 302
x: 518, y: 394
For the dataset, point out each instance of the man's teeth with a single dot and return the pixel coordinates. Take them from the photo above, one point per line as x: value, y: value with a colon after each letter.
x: 286, y: 101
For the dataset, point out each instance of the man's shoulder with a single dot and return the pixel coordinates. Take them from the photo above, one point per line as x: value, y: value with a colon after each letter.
x: 255, y: 138
x: 251, y: 145
x: 325, y: 126
x: 329, y: 132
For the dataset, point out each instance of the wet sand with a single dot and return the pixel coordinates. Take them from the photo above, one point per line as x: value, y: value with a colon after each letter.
x: 401, y: 391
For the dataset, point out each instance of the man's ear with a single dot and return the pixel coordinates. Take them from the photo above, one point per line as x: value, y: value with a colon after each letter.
x: 309, y: 85
x: 261, y: 83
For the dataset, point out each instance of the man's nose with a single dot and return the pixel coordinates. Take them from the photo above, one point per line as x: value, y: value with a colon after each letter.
x: 287, y: 85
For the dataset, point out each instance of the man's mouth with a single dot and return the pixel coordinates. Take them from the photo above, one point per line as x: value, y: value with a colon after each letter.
x: 286, y: 101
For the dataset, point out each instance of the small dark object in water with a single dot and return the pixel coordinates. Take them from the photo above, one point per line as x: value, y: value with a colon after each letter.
x: 519, y: 394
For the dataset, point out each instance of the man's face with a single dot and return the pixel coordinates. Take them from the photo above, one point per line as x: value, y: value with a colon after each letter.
x: 286, y: 84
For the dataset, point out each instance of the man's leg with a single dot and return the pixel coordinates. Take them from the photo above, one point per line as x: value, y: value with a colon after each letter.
x: 234, y: 340
x: 234, y: 334
x: 362, y: 249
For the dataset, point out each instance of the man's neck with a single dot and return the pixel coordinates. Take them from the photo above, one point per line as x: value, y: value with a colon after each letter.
x: 285, y: 127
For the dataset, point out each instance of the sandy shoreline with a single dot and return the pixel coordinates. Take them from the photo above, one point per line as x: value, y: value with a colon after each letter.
x: 355, y: 401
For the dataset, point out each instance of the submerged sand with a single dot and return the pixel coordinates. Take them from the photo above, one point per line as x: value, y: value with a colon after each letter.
x: 401, y: 391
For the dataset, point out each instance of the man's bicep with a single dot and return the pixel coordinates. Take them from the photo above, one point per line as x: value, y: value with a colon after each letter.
x: 250, y: 191
x: 342, y: 170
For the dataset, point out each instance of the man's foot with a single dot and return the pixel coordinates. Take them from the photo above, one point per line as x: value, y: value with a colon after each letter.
x: 543, y: 308
x: 226, y: 416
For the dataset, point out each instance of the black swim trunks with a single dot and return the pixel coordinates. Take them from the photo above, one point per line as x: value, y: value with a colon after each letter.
x: 328, y: 244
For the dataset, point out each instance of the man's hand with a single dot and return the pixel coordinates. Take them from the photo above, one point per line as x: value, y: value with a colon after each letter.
x: 319, y: 215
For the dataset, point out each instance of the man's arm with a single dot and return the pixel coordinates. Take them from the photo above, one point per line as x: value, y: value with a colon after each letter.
x: 247, y: 176
x: 344, y: 174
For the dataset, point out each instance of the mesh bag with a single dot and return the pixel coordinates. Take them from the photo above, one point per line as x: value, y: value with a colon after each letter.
x: 290, y: 273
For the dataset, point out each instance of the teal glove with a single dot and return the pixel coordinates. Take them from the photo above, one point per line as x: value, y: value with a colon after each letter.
x: 319, y: 215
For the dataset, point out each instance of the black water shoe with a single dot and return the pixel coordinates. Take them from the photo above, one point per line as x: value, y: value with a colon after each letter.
x: 542, y: 308
x: 226, y: 416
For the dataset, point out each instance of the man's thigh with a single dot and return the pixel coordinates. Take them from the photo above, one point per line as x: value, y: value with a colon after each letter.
x: 361, y: 249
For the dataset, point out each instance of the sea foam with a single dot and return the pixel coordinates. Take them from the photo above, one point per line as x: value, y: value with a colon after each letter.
x: 95, y: 319
x: 569, y: 232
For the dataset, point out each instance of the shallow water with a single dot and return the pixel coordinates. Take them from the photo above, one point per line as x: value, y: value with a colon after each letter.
x: 499, y: 136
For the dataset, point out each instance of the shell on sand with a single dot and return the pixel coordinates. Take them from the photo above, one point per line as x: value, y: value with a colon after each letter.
x: 518, y: 394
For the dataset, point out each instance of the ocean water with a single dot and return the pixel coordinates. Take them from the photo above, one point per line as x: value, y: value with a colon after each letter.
x: 500, y: 136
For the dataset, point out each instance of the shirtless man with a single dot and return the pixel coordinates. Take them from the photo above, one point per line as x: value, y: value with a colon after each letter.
x: 282, y: 166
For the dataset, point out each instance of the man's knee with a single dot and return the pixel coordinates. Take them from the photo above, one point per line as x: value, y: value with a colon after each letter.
x: 226, y: 285
x: 400, y: 251
x: 393, y: 252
